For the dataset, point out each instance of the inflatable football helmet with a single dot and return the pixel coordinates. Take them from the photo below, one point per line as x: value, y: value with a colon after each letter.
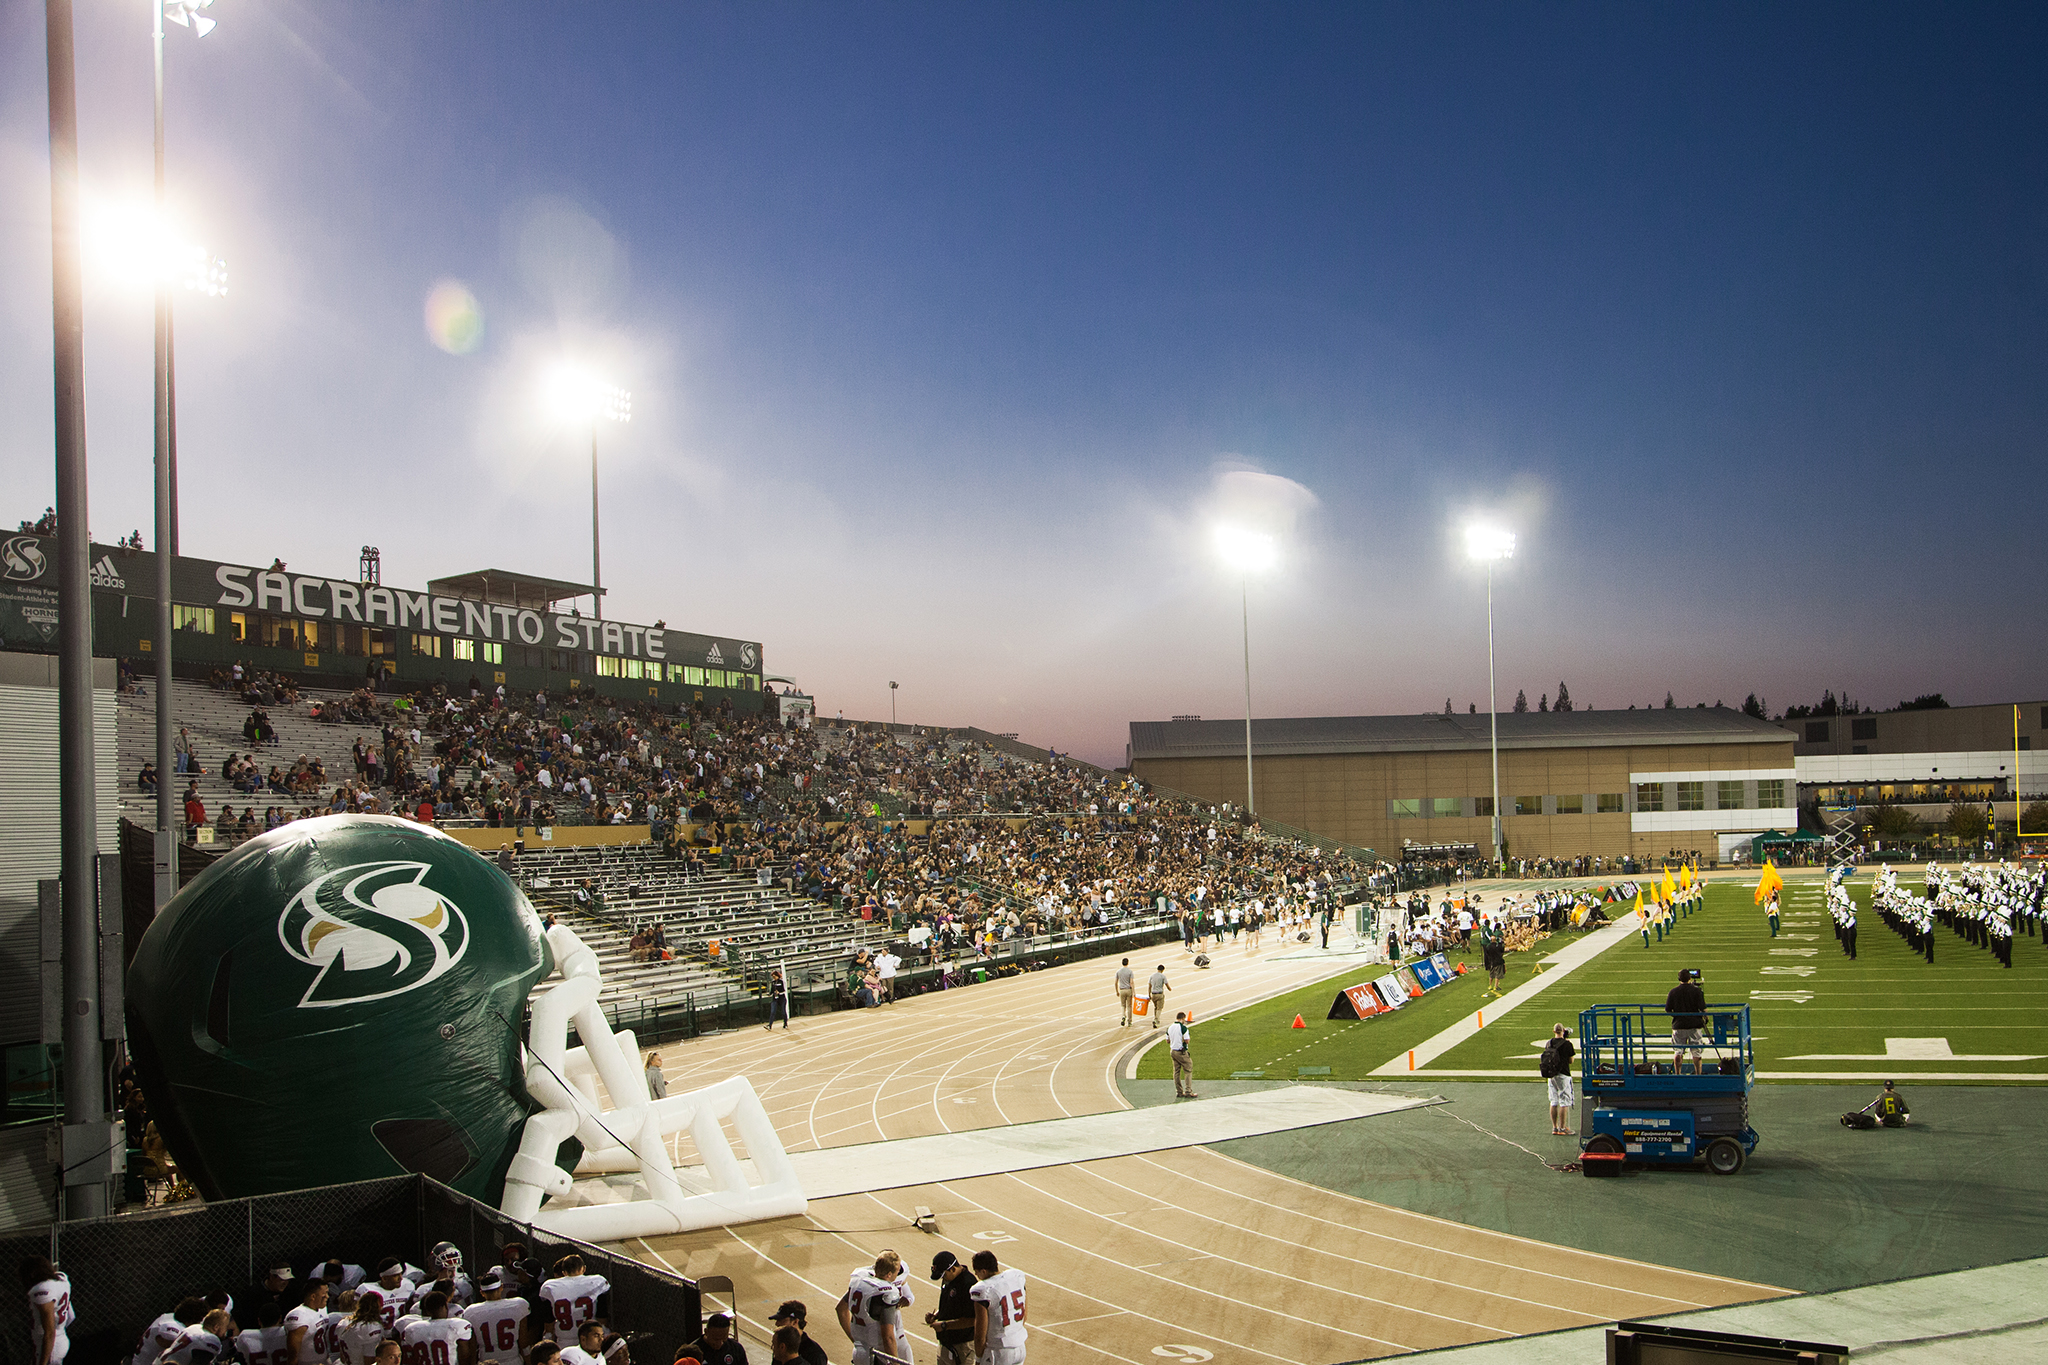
x: 338, y: 999
x: 341, y: 999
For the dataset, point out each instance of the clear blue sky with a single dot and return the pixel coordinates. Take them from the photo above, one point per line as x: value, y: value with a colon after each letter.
x: 942, y: 322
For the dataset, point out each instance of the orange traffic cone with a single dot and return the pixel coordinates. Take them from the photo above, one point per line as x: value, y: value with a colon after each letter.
x: 1297, y: 1023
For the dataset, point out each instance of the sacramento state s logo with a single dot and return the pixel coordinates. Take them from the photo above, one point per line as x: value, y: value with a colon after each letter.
x: 373, y: 930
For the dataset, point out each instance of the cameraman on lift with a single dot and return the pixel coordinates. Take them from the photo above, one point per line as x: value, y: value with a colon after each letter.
x: 1687, y: 1006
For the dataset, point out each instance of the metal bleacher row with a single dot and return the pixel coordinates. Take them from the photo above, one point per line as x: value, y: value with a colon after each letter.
x: 758, y: 926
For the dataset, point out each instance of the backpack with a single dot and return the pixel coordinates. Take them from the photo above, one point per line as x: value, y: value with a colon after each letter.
x: 1553, y: 1060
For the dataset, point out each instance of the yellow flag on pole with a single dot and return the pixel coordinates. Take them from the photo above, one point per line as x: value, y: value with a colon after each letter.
x: 1769, y: 882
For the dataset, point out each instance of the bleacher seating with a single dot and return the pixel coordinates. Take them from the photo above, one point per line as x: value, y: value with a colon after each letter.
x: 757, y: 923
x: 214, y: 719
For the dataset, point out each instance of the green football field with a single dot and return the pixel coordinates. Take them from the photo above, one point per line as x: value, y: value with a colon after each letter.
x: 1816, y: 1015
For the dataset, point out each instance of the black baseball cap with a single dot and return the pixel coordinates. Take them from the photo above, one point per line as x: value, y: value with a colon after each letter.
x: 943, y: 1262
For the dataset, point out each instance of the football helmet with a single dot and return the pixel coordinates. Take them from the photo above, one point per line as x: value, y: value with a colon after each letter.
x: 445, y: 1261
x: 339, y: 999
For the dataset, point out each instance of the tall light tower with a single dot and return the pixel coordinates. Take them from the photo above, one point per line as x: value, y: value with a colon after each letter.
x: 203, y: 272
x: 1248, y: 552
x: 578, y: 396
x: 892, y: 705
x: 1491, y: 544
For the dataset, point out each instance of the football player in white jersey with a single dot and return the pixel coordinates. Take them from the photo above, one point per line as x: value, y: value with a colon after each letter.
x: 589, y: 1338
x: 358, y: 1338
x: 998, y: 1312
x: 870, y: 1311
x: 502, y: 1335
x: 341, y: 1276
x: 394, y: 1292
x: 444, y: 1272
x: 160, y: 1334
x: 201, y: 1344
x: 439, y: 1339
x: 264, y: 1344
x: 49, y: 1308
x: 571, y: 1298
x: 309, y: 1334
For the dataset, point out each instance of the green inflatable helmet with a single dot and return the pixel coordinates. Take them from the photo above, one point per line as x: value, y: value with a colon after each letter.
x: 338, y: 999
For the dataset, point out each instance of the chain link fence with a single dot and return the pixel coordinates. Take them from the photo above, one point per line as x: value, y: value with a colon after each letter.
x: 128, y: 1269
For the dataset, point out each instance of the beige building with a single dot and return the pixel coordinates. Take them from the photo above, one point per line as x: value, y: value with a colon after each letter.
x: 1577, y: 782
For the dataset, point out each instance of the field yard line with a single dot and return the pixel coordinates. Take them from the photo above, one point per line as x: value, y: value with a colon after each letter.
x: 1897, y: 1075
x: 1561, y: 963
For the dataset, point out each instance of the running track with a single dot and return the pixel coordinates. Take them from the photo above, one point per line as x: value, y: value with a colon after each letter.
x: 1184, y: 1255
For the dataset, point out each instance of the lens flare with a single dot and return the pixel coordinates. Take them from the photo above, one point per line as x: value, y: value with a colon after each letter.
x: 455, y: 322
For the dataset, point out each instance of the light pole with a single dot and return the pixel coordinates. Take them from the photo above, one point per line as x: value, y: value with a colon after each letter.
x: 215, y: 281
x: 892, y: 705
x: 1248, y: 552
x: 578, y: 396
x: 1491, y: 544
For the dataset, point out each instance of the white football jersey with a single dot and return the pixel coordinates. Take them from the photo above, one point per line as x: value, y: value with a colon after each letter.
x: 433, y: 1342
x: 156, y: 1339
x: 358, y: 1342
x: 1004, y: 1295
x: 394, y: 1301
x: 263, y: 1346
x: 873, y: 1301
x: 318, y: 1342
x: 497, y: 1328
x: 461, y: 1293
x: 572, y: 1301
x: 192, y: 1344
x: 57, y: 1293
x: 352, y: 1277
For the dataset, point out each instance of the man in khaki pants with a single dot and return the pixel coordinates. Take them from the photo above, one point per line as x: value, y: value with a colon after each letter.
x: 1126, y: 987
x: 1177, y: 1034
x: 1157, y: 989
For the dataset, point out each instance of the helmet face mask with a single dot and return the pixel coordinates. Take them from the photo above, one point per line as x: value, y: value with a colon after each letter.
x: 339, y: 999
x: 446, y: 1261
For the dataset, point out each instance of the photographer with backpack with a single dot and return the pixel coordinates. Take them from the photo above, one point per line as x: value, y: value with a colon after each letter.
x: 1556, y: 1068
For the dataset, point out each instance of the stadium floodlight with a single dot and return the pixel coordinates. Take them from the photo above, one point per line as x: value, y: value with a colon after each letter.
x: 1490, y: 545
x: 1248, y: 552
x: 186, y: 14
x: 573, y: 395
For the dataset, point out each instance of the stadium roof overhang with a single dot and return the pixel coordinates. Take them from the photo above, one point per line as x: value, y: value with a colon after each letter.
x: 512, y: 589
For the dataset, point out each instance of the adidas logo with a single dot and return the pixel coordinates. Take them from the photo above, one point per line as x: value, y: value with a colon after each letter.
x: 714, y: 657
x: 105, y: 575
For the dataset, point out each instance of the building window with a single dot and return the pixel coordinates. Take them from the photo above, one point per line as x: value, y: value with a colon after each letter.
x: 462, y: 649
x: 1816, y: 732
x: 1649, y: 796
x: 1400, y: 808
x: 238, y: 627
x: 493, y: 653
x: 198, y: 620
x: 1447, y: 805
x: 383, y: 643
x: 1727, y: 796
x: 426, y: 646
x: 635, y: 668
x: 1771, y: 795
x: 1692, y: 796
x: 1483, y: 806
x: 2026, y: 741
x: 608, y: 665
x: 1863, y: 729
x: 1608, y: 803
x: 1528, y: 805
x: 1574, y: 804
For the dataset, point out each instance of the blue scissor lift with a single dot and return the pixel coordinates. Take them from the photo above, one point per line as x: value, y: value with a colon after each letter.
x: 1641, y: 1104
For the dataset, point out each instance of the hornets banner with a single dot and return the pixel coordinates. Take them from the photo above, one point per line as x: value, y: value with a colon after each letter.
x: 336, y: 1000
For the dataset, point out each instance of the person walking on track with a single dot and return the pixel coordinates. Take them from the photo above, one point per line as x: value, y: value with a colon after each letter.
x: 1157, y: 989
x: 1126, y: 988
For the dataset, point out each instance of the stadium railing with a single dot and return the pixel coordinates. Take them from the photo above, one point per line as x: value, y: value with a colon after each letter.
x: 128, y: 1269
